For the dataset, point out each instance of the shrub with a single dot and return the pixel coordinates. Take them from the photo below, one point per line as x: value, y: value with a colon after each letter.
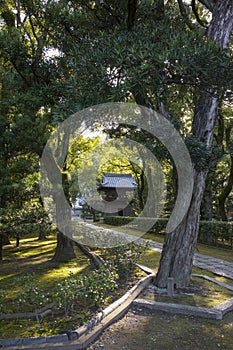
x: 117, y: 220
x: 30, y: 293
x: 124, y: 258
x: 88, y: 289
x: 215, y: 231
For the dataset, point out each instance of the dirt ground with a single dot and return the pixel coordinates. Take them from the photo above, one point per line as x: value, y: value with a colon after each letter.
x: 143, y: 329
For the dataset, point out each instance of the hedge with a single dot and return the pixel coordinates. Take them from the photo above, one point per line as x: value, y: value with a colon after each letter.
x: 214, y: 232
x: 211, y: 232
x: 137, y: 223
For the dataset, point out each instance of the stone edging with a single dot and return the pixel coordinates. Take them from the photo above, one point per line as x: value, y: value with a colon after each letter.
x: 40, y: 313
x: 216, y: 312
x: 86, y: 334
x: 222, y: 284
x: 180, y: 309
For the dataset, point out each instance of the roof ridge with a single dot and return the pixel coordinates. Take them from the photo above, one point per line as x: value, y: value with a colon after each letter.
x: 118, y: 174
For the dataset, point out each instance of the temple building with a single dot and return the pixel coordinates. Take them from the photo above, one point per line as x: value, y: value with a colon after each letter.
x: 117, y: 191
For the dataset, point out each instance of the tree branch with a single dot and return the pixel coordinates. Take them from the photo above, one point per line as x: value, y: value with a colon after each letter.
x: 132, y: 8
x: 194, y: 9
x: 19, y: 72
x: 96, y: 260
x: 185, y: 15
x: 21, y: 24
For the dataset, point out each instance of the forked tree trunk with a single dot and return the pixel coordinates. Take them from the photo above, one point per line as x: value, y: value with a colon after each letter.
x: 179, y: 246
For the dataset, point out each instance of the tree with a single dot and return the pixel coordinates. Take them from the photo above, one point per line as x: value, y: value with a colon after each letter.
x: 179, y: 246
x: 146, y: 53
x: 28, y: 97
x: 166, y: 55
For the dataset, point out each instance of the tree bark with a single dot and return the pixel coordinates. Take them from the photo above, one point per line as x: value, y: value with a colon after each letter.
x: 207, y: 205
x: 65, y: 244
x: 5, y: 240
x: 228, y: 187
x: 179, y: 246
x: 65, y: 249
x: 132, y: 9
x: 17, y: 241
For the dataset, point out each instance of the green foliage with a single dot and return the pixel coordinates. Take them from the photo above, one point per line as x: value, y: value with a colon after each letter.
x: 117, y: 220
x: 31, y: 218
x: 125, y: 257
x: 30, y: 293
x: 75, y: 290
x: 88, y: 289
x: 202, y: 158
x: 58, y: 57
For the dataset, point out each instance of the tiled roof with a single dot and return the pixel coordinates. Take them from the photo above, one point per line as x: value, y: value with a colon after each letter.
x: 110, y: 180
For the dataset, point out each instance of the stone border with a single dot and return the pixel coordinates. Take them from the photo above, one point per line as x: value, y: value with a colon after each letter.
x: 39, y: 313
x: 211, y: 279
x: 180, y: 309
x: 216, y: 312
x: 84, y: 335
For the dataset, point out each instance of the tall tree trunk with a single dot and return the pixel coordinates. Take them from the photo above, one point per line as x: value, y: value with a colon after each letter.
x: 229, y: 185
x: 207, y: 205
x: 179, y: 246
x: 5, y: 240
x: 52, y: 171
x: 65, y: 249
x: 65, y: 243
x: 225, y: 193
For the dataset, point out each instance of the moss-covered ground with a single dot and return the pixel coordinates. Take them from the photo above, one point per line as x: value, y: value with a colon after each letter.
x: 162, y: 330
x: 35, y: 257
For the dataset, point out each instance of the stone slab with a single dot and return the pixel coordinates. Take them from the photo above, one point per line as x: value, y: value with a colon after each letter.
x: 22, y: 341
x: 222, y: 284
x: 180, y: 309
x: 225, y: 307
